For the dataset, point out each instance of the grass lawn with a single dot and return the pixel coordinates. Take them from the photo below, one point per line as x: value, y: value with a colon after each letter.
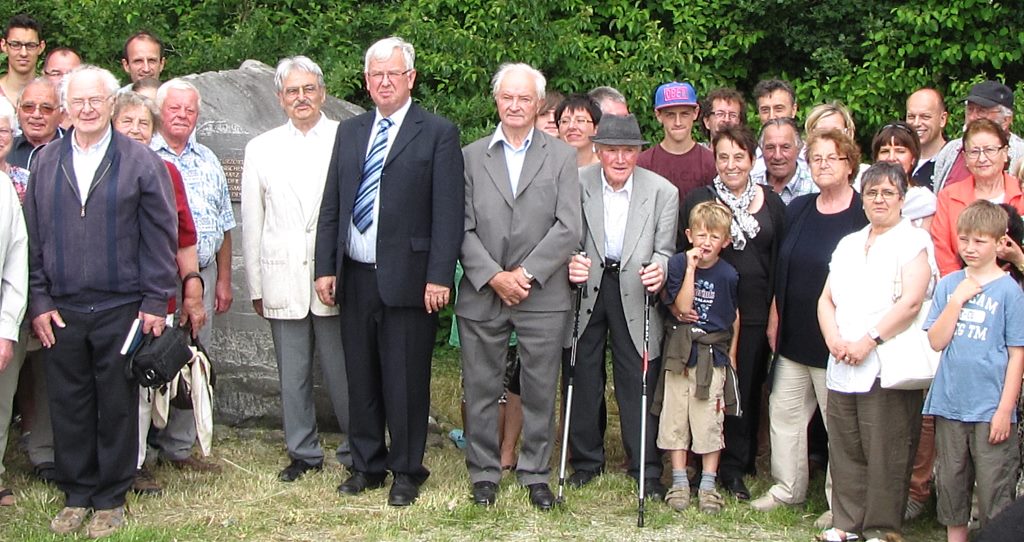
x: 247, y: 502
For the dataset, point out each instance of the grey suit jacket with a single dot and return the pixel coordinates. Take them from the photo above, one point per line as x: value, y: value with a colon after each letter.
x: 650, y: 237
x: 538, y: 228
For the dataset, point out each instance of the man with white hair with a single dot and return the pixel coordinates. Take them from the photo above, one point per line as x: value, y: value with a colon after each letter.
x: 282, y: 185
x: 102, y: 233
x: 207, y: 188
x: 610, y: 100
x: 523, y: 220
x: 387, y: 240
x: 987, y: 100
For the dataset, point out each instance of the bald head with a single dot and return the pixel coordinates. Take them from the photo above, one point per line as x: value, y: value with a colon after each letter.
x: 926, y: 113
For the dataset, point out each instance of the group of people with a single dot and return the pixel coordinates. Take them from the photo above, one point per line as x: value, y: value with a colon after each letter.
x: 774, y: 263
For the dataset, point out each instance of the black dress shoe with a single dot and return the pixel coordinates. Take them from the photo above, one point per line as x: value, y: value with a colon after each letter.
x: 360, y: 482
x: 581, y: 478
x: 296, y: 469
x: 654, y: 490
x: 404, y: 491
x: 541, y: 496
x: 485, y: 493
x: 735, y: 485
x: 46, y: 472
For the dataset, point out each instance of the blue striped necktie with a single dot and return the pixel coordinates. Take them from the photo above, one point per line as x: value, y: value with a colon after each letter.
x: 362, y: 211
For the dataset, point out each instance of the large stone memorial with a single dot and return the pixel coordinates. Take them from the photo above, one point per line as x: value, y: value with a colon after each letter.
x: 237, y: 106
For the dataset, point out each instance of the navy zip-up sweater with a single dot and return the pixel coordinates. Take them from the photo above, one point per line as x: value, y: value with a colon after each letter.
x: 118, y: 248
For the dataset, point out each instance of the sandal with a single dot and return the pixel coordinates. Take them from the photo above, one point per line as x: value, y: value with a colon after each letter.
x: 709, y: 501
x: 836, y: 535
x: 7, y: 497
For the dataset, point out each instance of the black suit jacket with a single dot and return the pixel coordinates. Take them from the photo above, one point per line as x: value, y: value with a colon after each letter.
x: 420, y: 226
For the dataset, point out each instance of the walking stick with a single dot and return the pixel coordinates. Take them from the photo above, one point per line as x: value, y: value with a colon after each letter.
x: 648, y: 299
x: 577, y: 302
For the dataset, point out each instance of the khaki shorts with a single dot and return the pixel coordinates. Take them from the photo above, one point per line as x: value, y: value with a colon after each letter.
x: 686, y: 420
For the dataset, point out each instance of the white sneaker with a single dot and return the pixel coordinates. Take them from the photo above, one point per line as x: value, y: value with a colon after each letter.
x: 824, y: 521
x: 766, y: 503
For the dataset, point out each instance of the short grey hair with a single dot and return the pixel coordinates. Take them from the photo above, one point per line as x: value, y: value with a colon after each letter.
x: 781, y: 122
x: 44, y: 81
x: 110, y: 83
x: 880, y: 172
x: 383, y: 49
x: 128, y: 100
x: 7, y: 112
x: 538, y: 78
x: 600, y: 94
x: 177, y: 84
x: 296, y: 63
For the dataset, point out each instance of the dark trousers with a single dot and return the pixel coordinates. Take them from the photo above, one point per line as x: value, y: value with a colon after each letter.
x: 387, y: 358
x: 752, y: 353
x: 872, y: 439
x: 586, y: 435
x: 93, y: 407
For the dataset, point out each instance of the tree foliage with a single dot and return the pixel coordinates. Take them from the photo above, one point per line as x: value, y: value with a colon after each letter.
x: 868, y: 55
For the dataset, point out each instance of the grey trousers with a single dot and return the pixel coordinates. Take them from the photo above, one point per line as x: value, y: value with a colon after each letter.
x: 872, y: 439
x: 484, y: 351
x: 175, y: 441
x: 295, y: 342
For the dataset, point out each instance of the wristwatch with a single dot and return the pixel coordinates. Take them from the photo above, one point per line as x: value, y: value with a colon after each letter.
x: 873, y: 334
x: 526, y: 274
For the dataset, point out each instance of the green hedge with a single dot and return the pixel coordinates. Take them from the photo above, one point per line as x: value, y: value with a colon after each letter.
x: 869, y: 55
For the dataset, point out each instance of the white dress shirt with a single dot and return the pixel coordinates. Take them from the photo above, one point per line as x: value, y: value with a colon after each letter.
x: 362, y: 247
x: 616, y: 211
x: 86, y: 161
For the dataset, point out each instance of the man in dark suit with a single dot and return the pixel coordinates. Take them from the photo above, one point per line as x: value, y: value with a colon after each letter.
x: 388, y: 236
x: 522, y: 223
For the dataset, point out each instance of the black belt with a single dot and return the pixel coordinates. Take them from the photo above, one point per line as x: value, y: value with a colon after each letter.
x: 611, y: 266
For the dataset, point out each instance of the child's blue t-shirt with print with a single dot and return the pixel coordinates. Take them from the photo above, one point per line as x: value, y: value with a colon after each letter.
x: 714, y: 296
x: 972, y: 369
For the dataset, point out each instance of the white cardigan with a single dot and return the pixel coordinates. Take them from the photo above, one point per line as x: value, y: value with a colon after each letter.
x: 13, y: 261
x: 282, y: 185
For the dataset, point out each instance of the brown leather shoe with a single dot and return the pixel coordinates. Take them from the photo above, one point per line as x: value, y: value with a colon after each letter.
x: 68, y: 520
x: 193, y: 464
x: 145, y: 483
x: 105, y: 522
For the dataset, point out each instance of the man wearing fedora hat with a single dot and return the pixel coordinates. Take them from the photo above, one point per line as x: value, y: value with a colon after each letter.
x: 987, y: 100
x: 629, y: 228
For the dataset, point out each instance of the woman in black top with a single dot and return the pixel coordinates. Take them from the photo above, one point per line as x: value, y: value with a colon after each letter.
x: 814, y: 225
x: 757, y: 227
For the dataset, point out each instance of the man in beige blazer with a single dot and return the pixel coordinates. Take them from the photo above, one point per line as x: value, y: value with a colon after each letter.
x: 282, y: 186
x: 629, y: 228
x: 522, y: 223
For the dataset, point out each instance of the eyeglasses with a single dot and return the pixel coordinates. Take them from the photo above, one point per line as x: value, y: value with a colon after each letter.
x: 872, y: 195
x: 578, y: 121
x: 722, y: 114
x: 976, y: 152
x: 46, y: 109
x: 95, y: 102
x: 897, y: 126
x: 830, y: 161
x: 27, y: 45
x: 391, y: 75
x: 293, y: 92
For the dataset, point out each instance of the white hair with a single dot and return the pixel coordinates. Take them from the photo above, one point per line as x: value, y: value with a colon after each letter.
x: 509, y: 67
x: 110, y: 83
x: 383, y: 49
x: 296, y: 63
x: 7, y: 112
x: 177, y: 84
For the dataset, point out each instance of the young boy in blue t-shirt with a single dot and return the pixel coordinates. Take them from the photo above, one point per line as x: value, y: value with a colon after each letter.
x: 695, y: 355
x: 977, y: 320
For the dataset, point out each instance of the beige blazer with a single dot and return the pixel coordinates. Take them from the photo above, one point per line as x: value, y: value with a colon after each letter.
x: 650, y: 237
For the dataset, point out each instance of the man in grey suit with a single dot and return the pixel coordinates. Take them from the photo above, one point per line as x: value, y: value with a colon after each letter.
x: 522, y: 223
x: 629, y: 228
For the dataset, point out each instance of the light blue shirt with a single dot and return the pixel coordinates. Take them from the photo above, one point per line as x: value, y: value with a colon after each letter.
x: 972, y: 369
x: 800, y: 184
x: 207, y: 191
x: 362, y: 247
x: 514, y: 157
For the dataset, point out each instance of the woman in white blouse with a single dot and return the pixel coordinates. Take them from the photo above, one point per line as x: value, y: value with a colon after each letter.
x: 878, y: 278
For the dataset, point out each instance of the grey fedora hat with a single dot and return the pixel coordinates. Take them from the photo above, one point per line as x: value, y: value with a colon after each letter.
x: 619, y: 130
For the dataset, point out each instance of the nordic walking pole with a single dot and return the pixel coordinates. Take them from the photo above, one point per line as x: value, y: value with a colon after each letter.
x: 577, y: 302
x: 648, y: 298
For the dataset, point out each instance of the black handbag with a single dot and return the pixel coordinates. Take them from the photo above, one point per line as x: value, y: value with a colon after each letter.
x: 158, y: 359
